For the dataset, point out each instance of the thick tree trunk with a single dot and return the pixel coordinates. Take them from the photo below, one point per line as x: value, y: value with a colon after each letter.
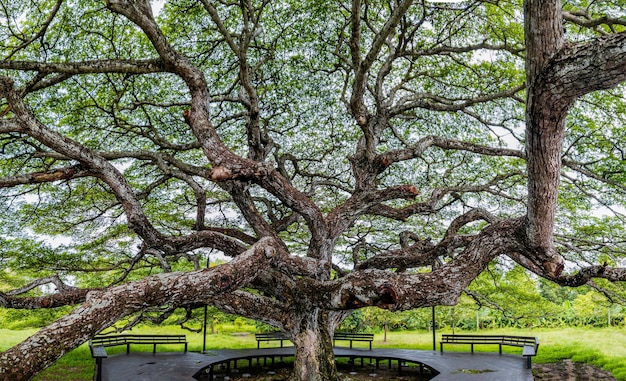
x: 313, y: 339
x: 545, y: 126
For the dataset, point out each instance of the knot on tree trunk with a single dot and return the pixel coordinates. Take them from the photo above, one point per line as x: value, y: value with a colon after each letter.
x: 388, y: 296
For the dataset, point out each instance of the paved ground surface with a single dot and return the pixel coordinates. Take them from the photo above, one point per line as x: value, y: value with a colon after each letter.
x: 451, y: 365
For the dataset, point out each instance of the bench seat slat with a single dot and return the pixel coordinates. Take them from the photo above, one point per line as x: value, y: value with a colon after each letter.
x: 529, y: 350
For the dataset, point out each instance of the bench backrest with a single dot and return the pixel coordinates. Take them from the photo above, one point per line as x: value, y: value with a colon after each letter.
x: 520, y: 341
x: 353, y: 336
x: 108, y: 340
x: 270, y: 335
x: 123, y: 339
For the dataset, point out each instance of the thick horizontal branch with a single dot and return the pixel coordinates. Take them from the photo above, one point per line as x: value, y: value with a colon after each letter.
x: 66, y: 173
x: 345, y: 215
x: 462, y: 49
x: 425, y: 253
x: 253, y: 306
x: 59, y: 299
x: 586, y: 274
x: 429, y: 205
x: 234, y: 233
x: 405, y: 291
x: 88, y: 67
x: 103, y: 308
x: 585, y: 20
x: 435, y: 102
x: 9, y: 125
x: 418, y: 149
x: 205, y: 238
x: 579, y: 69
x: 420, y: 254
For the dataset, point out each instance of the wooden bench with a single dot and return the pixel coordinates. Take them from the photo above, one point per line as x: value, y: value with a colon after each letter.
x: 98, y: 345
x: 270, y: 336
x: 349, y: 336
x: 127, y: 339
x: 529, y: 344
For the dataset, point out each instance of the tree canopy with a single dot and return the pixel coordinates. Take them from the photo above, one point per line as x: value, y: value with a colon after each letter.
x: 343, y: 154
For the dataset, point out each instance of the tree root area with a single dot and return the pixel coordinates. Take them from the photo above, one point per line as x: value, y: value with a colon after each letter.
x: 567, y: 370
x: 367, y: 372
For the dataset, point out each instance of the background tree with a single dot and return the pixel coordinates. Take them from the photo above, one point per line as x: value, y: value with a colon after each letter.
x: 370, y: 153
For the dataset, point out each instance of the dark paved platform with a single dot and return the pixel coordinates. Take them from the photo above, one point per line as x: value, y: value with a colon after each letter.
x: 182, y: 366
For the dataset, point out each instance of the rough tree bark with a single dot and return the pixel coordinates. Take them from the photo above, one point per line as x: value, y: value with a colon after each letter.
x: 545, y: 126
x: 103, y: 308
x: 557, y: 74
x: 312, y: 336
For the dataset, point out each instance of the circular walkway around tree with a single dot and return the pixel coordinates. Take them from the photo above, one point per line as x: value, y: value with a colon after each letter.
x: 183, y: 366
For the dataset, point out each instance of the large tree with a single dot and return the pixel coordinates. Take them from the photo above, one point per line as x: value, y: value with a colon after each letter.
x: 344, y: 154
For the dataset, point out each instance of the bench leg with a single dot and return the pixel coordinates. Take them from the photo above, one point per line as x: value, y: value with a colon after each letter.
x: 98, y: 369
x: 529, y: 362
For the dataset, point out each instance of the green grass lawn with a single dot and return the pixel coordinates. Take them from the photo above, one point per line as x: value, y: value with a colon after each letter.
x: 603, y: 347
